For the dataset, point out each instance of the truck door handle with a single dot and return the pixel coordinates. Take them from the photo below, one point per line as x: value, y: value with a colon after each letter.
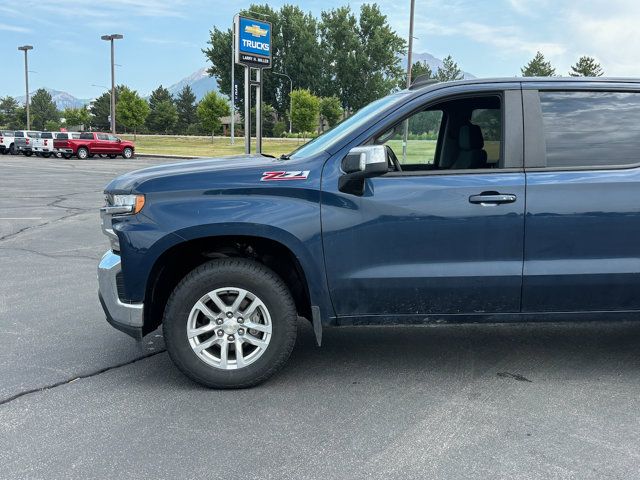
x: 492, y: 198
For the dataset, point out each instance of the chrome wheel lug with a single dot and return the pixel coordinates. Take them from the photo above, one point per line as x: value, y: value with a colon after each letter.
x: 240, y: 320
x: 229, y: 314
x: 241, y: 331
x: 231, y: 338
x: 219, y: 321
x: 220, y: 333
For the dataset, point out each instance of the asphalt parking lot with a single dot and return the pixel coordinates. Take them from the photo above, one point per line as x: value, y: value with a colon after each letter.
x: 79, y: 399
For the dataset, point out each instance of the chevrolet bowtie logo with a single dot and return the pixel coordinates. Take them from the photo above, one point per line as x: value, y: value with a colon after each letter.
x: 256, y: 31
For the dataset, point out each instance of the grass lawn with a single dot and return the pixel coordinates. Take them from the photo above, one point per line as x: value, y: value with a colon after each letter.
x: 204, y: 147
x: 418, y: 151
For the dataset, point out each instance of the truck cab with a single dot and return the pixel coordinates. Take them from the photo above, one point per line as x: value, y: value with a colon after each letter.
x: 493, y: 200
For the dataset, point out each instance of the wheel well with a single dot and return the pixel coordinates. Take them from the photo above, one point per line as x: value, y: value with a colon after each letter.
x: 179, y: 260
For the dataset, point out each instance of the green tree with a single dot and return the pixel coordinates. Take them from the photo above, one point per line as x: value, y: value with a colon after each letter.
x: 449, y: 70
x: 586, y: 67
x: 420, y: 69
x: 538, y: 66
x: 162, y: 117
x: 8, y: 109
x: 186, y: 109
x: 268, y: 120
x: 74, y: 117
x: 330, y: 111
x: 295, y: 50
x: 19, y: 120
x: 209, y: 111
x: 51, y: 126
x: 131, y: 109
x: 42, y: 109
x: 160, y: 94
x: 362, y: 55
x: 162, y: 112
x: 101, y: 110
x: 305, y: 108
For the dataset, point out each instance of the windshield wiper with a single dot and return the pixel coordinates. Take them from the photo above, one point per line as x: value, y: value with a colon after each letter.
x: 284, y: 156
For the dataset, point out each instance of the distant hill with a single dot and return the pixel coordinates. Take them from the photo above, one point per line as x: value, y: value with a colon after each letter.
x: 199, y: 81
x: 61, y: 99
x: 433, y: 62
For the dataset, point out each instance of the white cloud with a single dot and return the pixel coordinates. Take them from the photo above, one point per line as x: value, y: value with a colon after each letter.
x: 14, y: 28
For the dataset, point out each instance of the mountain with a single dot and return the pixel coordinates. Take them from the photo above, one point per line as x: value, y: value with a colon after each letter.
x: 433, y: 62
x: 199, y: 81
x: 61, y: 99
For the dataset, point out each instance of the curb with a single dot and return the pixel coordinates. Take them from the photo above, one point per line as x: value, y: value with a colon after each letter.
x: 166, y: 155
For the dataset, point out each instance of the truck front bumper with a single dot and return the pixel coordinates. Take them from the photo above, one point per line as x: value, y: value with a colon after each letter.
x: 126, y: 317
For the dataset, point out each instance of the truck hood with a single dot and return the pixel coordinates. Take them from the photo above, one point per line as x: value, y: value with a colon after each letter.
x: 196, y: 170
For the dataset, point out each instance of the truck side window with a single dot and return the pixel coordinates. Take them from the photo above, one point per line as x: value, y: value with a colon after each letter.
x: 86, y: 136
x: 460, y: 134
x: 591, y: 129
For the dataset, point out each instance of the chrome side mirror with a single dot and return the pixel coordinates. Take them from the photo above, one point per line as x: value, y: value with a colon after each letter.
x: 360, y: 164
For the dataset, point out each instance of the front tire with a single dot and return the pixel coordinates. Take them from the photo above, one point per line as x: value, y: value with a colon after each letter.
x: 230, y: 323
x: 83, y: 153
x: 127, y: 153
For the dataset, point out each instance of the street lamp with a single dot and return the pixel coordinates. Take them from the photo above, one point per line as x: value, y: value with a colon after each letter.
x: 290, y: 91
x: 111, y: 38
x: 25, y: 49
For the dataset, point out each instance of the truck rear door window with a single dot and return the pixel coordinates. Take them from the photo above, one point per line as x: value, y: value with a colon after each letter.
x: 591, y: 129
x: 86, y: 136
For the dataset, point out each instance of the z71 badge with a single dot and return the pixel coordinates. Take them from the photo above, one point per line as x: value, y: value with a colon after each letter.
x: 293, y: 175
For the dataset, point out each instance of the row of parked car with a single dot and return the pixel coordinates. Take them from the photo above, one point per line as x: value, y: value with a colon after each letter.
x: 64, y: 144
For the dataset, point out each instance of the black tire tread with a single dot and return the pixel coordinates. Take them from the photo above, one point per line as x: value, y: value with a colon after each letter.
x: 255, y: 269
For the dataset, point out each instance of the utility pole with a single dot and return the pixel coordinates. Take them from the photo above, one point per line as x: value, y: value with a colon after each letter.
x: 233, y: 81
x: 409, y: 66
x: 25, y: 49
x: 290, y: 91
x: 111, y: 38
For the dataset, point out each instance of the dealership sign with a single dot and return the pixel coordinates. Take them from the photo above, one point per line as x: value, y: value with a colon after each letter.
x: 253, y: 42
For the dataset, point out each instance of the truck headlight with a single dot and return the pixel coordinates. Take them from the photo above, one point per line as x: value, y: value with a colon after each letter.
x: 123, y: 204
x: 118, y: 205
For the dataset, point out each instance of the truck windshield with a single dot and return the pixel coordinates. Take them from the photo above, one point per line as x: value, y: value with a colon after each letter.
x: 347, y: 126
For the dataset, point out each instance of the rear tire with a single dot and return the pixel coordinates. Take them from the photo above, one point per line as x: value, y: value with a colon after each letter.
x: 46, y: 154
x: 28, y: 153
x: 262, y: 350
x: 127, y: 153
x: 82, y: 153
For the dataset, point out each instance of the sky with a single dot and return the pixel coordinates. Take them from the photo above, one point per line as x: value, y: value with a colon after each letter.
x: 163, y: 38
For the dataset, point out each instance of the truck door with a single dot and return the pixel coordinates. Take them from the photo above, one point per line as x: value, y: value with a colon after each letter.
x: 582, y: 154
x: 443, y: 235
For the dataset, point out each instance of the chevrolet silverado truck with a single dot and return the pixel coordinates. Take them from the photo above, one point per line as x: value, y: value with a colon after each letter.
x: 7, y: 142
x: 94, y: 143
x: 43, y: 145
x: 493, y: 200
x: 65, y: 136
x: 24, y: 141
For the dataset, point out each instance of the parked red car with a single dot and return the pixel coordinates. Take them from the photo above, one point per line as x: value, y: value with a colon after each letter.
x: 94, y: 143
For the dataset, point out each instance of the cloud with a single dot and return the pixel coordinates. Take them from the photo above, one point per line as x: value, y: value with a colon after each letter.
x: 14, y: 28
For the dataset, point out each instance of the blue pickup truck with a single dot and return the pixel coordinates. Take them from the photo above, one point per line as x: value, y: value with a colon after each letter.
x: 496, y: 200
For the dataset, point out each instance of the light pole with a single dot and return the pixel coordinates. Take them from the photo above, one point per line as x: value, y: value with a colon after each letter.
x: 111, y: 38
x: 405, y: 137
x: 25, y: 49
x: 290, y: 91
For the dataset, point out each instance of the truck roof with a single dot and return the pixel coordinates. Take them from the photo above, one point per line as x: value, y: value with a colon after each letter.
x: 425, y: 84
